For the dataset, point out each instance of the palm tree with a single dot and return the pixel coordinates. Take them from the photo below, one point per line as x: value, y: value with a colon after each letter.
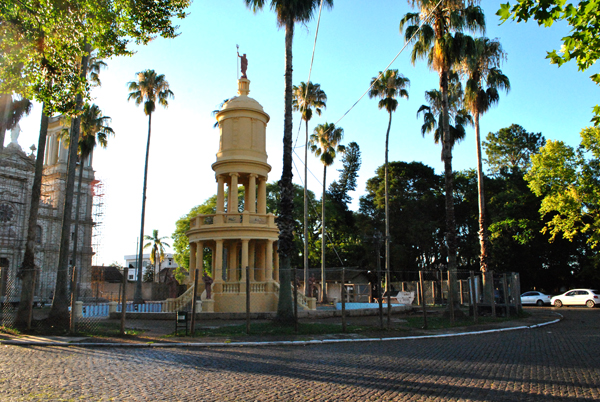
x: 288, y: 14
x: 306, y: 97
x: 325, y: 143
x: 443, y: 44
x: 459, y: 117
x: 94, y: 129
x: 387, y: 86
x: 157, y: 252
x: 149, y: 88
x: 484, y: 79
x: 59, y: 312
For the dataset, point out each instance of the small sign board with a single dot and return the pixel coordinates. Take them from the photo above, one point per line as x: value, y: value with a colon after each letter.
x: 405, y: 297
x: 181, y: 321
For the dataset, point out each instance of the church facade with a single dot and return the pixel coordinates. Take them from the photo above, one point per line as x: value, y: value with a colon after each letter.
x: 16, y: 181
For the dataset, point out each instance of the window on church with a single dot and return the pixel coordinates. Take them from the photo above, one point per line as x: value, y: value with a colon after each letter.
x: 38, y: 234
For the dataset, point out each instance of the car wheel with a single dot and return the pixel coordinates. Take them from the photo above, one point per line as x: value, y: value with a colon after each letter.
x: 557, y: 303
x: 590, y: 303
x: 539, y: 303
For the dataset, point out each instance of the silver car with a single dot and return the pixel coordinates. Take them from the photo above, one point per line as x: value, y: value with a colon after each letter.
x: 577, y: 297
x: 535, y: 297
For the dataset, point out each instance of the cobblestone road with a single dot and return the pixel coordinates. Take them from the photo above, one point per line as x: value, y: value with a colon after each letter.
x: 560, y: 362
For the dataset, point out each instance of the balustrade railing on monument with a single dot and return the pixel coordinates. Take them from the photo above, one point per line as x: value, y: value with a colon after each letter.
x: 245, y: 218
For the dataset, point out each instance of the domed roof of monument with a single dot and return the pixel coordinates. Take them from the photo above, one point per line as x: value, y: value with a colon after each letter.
x: 242, y: 102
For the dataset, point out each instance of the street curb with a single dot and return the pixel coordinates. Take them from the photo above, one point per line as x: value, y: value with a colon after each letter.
x: 270, y: 343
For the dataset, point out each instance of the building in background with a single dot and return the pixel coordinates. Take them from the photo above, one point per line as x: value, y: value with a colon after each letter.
x: 161, y: 273
x: 16, y: 181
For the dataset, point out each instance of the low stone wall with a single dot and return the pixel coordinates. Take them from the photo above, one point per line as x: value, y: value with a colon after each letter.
x: 263, y: 316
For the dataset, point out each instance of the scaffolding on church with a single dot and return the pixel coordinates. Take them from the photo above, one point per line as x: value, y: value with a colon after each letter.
x: 16, y: 180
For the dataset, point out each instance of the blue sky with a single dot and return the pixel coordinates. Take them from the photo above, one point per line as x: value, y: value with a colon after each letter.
x: 357, y: 39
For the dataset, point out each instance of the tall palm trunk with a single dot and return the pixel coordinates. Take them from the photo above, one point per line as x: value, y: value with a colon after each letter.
x: 483, y: 238
x: 59, y: 312
x: 387, y: 221
x: 76, y: 225
x: 306, y: 289
x: 323, y: 241
x: 449, y: 187
x: 137, y: 297
x: 285, y: 220
x: 27, y: 271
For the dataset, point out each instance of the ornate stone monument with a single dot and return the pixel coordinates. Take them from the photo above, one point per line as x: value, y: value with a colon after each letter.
x: 239, y: 237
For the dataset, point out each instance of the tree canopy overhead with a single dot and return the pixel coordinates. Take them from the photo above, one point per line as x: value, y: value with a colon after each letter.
x: 42, y: 41
x: 582, y: 45
x: 568, y: 180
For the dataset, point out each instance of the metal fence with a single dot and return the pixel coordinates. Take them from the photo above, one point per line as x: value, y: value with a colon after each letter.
x: 353, y: 296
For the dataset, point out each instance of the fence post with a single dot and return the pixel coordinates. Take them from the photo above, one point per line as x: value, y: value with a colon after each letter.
x: 451, y: 295
x: 460, y: 287
x: 423, y: 300
x: 193, y: 324
x: 124, y: 300
x: 247, y: 299
x: 343, y: 299
x: 30, y: 307
x: 388, y: 290
x: 505, y: 293
x: 517, y: 285
x: 295, y: 279
x: 493, y: 296
x: 473, y: 293
x: 73, y: 299
x: 379, y: 293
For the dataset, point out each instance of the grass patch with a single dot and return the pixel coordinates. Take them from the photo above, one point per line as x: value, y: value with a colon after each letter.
x: 438, y: 321
x: 273, y: 329
x: 108, y: 329
x: 9, y: 331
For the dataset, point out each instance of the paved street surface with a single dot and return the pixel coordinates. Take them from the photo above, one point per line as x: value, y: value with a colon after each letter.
x: 560, y: 362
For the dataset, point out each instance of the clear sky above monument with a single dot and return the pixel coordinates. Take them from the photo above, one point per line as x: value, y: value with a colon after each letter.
x: 357, y: 39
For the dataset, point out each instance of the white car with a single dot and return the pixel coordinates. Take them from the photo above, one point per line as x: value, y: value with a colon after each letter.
x: 535, y: 297
x: 577, y: 297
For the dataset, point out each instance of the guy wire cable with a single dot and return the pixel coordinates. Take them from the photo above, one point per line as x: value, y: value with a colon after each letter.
x: 425, y: 20
x: 311, y: 66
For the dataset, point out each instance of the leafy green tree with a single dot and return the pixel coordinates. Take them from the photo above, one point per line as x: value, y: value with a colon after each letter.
x: 416, y: 226
x: 388, y: 86
x: 583, y: 43
x: 181, y: 244
x: 288, y: 14
x: 305, y: 98
x: 510, y: 149
x: 43, y: 43
x: 339, y: 189
x: 441, y: 41
x: 44, y: 56
x: 484, y: 80
x: 325, y: 144
x: 148, y: 274
x: 345, y: 236
x: 157, y: 250
x: 568, y: 180
x: 149, y: 89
